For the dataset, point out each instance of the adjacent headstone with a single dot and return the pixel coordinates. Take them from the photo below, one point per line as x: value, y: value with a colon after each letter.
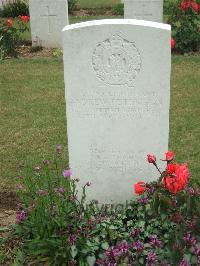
x: 151, y: 10
x: 5, y: 2
x: 117, y: 79
x: 47, y: 18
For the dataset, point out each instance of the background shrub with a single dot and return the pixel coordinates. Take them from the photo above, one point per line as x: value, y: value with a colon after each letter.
x: 71, y: 5
x: 10, y: 35
x: 118, y: 9
x: 14, y: 9
x: 185, y: 26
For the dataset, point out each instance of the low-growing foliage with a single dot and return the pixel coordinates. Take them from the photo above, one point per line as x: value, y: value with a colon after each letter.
x: 56, y: 224
x: 10, y: 35
x: 118, y: 9
x: 71, y: 5
x: 14, y: 9
x: 184, y: 16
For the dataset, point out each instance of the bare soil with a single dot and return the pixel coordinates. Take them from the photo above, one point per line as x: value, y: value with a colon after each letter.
x: 93, y: 12
x: 8, y: 204
x: 25, y: 51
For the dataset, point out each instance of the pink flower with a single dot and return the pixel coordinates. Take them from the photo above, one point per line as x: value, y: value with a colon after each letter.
x: 21, y: 216
x: 42, y: 192
x: 19, y: 186
x: 47, y: 162
x: 61, y: 190
x: 37, y: 168
x: 67, y: 173
x: 58, y: 148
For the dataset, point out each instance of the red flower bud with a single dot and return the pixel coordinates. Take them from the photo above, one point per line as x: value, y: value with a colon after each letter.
x: 9, y: 23
x: 169, y: 155
x: 195, y: 6
x: 185, y: 5
x: 151, y: 158
x: 140, y: 187
x: 173, y: 43
x: 24, y: 18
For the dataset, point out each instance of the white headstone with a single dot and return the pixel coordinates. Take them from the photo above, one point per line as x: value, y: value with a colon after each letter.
x: 47, y: 18
x: 151, y: 10
x: 117, y: 80
x: 4, y: 2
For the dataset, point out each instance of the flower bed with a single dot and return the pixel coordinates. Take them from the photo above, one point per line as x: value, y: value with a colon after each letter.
x: 10, y: 35
x: 184, y: 16
x: 53, y: 224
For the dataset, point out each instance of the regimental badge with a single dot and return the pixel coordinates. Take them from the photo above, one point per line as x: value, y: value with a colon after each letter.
x: 117, y: 61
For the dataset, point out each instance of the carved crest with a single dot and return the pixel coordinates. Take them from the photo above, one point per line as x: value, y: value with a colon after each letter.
x: 116, y: 61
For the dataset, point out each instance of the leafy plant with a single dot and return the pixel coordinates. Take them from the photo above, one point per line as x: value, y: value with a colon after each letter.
x: 71, y: 5
x: 118, y: 9
x: 10, y: 35
x: 51, y: 220
x: 185, y: 20
x: 57, y: 225
x: 14, y: 9
x: 57, y: 52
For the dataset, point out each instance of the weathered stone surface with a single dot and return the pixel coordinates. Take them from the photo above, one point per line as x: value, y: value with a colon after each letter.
x: 151, y: 10
x: 47, y: 18
x: 117, y: 79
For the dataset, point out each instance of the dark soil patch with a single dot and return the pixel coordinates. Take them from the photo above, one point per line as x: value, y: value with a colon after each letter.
x: 8, y: 204
x: 7, y: 218
x: 93, y: 12
x: 8, y: 200
x: 27, y: 51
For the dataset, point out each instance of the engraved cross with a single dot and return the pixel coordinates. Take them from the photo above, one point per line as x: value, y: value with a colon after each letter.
x: 144, y: 13
x: 47, y: 15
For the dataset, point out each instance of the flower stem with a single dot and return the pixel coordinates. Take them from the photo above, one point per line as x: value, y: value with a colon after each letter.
x: 157, y: 168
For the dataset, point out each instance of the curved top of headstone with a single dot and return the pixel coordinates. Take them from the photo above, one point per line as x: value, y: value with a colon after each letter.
x: 134, y: 22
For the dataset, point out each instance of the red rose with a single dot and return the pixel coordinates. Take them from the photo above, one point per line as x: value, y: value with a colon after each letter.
x: 24, y: 18
x: 195, y: 6
x: 140, y: 187
x: 173, y: 43
x: 185, y: 5
x: 9, y: 22
x: 169, y: 155
x: 172, y: 184
x: 180, y: 179
x: 182, y: 174
x: 151, y: 158
x: 171, y: 168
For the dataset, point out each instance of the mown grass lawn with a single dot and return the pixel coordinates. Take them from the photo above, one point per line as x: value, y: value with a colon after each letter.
x: 32, y: 113
x: 96, y: 3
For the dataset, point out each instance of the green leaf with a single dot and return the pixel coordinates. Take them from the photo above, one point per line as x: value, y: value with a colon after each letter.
x: 74, y: 251
x: 4, y: 229
x: 141, y: 261
x: 104, y: 245
x: 91, y: 260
